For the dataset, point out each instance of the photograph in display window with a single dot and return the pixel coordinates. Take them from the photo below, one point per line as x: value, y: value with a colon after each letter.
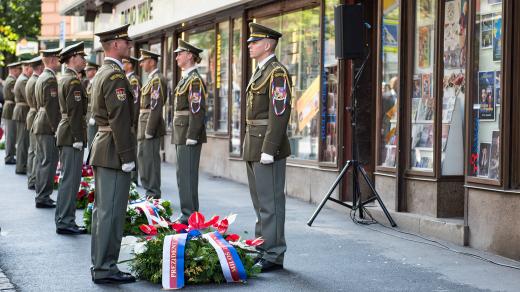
x: 497, y: 38
x: 497, y: 88
x: 455, y: 34
x: 486, y: 31
x: 486, y: 86
x: 424, y: 47
x: 483, y: 159
x: 494, y: 160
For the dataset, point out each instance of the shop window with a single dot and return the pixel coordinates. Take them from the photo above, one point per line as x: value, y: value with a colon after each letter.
x: 484, y: 157
x: 206, y: 41
x: 236, y: 88
x: 222, y: 77
x: 299, y: 51
x: 389, y: 100
x: 453, y: 98
x: 168, y: 74
x: 423, y: 96
x: 329, y: 92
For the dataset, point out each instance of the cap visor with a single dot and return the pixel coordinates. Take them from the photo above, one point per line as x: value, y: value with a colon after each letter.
x: 179, y: 50
x: 253, y: 39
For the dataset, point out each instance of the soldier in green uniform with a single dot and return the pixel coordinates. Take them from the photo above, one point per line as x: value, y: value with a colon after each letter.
x: 151, y: 125
x: 15, y: 70
x: 112, y: 156
x: 266, y: 145
x: 44, y: 127
x: 71, y: 138
x: 90, y: 72
x: 189, y: 131
x: 37, y: 66
x: 129, y: 67
x: 20, y: 111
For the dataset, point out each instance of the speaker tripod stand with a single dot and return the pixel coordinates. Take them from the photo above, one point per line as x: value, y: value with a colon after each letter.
x: 357, y: 203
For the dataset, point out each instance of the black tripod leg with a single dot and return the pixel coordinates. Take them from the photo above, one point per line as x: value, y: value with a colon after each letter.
x: 356, y: 190
x: 329, y: 193
x: 376, y: 195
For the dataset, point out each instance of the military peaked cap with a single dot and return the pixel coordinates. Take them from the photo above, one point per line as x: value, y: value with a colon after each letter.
x: 185, y: 46
x: 51, y: 52
x: 148, y: 55
x: 72, y: 50
x: 91, y: 65
x: 258, y: 32
x: 34, y: 61
x: 14, y: 65
x: 114, y: 34
x: 131, y: 60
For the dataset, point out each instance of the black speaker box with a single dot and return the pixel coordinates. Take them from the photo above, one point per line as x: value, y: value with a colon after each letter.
x: 349, y: 30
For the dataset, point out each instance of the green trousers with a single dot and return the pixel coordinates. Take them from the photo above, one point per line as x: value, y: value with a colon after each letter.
x: 188, y: 158
x: 22, y: 147
x: 266, y: 185
x: 45, y: 167
x: 31, y: 153
x: 149, y: 163
x: 71, y: 163
x: 108, y: 219
x: 10, y: 140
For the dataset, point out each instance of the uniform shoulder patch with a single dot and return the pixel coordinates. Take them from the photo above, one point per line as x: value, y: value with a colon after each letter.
x: 279, y: 90
x: 117, y: 76
x: 77, y: 95
x: 121, y: 94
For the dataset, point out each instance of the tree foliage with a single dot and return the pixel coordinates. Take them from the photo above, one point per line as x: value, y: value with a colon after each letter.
x: 18, y: 19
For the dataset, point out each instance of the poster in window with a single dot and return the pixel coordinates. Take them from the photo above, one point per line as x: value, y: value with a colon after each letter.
x: 486, y: 93
x: 417, y: 86
x: 424, y: 47
x: 498, y: 93
x: 483, y: 161
x: 473, y: 162
x: 494, y: 160
x: 390, y: 35
x: 455, y: 23
x: 426, y: 136
x: 497, y: 39
x: 425, y: 10
x: 486, y: 31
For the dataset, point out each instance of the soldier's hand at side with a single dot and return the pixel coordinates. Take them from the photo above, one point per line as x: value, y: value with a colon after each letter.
x: 191, y: 142
x: 266, y: 158
x: 147, y: 136
x: 128, y: 167
x: 77, y: 145
x: 91, y: 121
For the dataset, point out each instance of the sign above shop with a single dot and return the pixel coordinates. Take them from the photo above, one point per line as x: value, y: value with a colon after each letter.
x: 141, y: 12
x: 26, y: 47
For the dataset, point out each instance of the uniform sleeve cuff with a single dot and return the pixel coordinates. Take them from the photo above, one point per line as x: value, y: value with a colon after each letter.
x: 127, y: 155
x: 269, y: 148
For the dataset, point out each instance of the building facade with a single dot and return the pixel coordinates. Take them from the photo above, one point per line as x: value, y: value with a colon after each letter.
x: 437, y: 126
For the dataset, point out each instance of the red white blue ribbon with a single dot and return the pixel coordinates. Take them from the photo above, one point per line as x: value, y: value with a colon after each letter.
x: 150, y: 211
x: 230, y: 262
x: 173, y: 261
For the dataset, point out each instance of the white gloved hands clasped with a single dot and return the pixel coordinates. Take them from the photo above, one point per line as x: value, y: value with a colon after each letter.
x: 77, y: 145
x: 128, y: 167
x: 91, y: 121
x: 147, y: 136
x: 191, y: 142
x: 266, y: 158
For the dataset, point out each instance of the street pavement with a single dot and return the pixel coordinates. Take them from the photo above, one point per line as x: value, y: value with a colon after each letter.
x: 333, y: 255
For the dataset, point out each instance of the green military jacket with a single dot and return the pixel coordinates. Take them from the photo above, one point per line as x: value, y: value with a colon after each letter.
x: 31, y: 100
x: 189, y: 109
x: 136, y: 89
x: 267, y: 112
x: 21, y: 107
x: 48, y: 116
x: 153, y: 96
x: 7, y: 112
x: 88, y: 90
x: 112, y: 107
x: 73, y: 107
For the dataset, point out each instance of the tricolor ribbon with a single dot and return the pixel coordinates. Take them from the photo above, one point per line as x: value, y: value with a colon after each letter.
x: 230, y: 262
x: 173, y: 261
x: 150, y: 211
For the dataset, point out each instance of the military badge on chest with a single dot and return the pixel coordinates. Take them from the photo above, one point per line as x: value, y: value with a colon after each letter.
x: 77, y: 95
x: 121, y: 94
x: 279, y: 93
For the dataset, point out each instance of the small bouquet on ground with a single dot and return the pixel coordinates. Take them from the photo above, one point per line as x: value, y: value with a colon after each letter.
x: 86, y: 192
x: 155, y: 212
x: 198, y: 253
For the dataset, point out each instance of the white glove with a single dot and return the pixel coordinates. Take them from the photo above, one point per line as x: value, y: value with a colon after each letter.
x: 78, y: 145
x: 266, y: 158
x: 128, y: 167
x: 191, y: 142
x: 146, y: 136
x: 91, y: 121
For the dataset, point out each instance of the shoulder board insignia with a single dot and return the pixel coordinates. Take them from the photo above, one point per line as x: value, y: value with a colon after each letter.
x: 74, y: 81
x: 134, y: 81
x: 117, y: 76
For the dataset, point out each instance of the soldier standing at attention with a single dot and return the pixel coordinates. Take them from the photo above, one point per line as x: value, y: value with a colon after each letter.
x: 151, y: 125
x: 112, y: 156
x: 71, y: 138
x: 7, y: 113
x: 44, y: 127
x: 20, y: 111
x: 266, y: 145
x: 189, y: 110
x: 90, y: 72
x: 129, y: 67
x: 37, y: 66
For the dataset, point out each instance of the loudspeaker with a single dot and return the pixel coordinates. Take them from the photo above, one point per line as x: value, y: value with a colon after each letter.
x: 349, y: 30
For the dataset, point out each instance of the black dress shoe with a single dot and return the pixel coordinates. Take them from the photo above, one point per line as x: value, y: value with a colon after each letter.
x: 46, y: 205
x: 119, y: 278
x: 31, y: 187
x: 268, y: 266
x: 20, y: 172
x: 72, y: 230
x: 10, y: 162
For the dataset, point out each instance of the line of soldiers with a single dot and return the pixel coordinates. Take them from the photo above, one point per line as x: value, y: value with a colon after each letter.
x: 125, y: 124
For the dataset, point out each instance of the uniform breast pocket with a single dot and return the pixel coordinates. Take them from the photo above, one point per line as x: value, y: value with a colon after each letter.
x: 180, y: 126
x: 257, y: 132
